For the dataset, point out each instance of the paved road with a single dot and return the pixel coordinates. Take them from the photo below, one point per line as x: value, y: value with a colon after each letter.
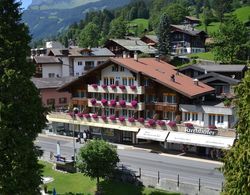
x: 189, y: 169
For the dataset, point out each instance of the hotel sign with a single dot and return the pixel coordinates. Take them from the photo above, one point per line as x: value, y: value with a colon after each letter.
x: 201, y: 131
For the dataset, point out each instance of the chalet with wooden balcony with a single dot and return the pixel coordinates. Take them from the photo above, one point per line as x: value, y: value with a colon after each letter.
x: 135, y: 99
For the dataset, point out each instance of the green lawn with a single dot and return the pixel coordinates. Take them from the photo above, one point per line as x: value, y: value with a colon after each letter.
x: 243, y: 14
x: 205, y: 55
x: 77, y: 183
x: 139, y: 23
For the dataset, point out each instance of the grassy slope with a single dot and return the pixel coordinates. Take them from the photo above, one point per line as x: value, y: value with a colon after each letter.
x: 78, y: 183
x: 140, y: 22
x: 205, y: 56
x: 243, y: 14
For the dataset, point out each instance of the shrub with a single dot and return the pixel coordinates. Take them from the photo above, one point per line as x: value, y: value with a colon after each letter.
x: 161, y: 123
x: 211, y: 127
x: 104, y: 102
x: 86, y: 115
x: 172, y: 124
x: 133, y: 87
x: 189, y: 125
x: 94, y: 116
x: 104, y: 117
x: 131, y: 119
x: 122, y: 87
x: 122, y: 103
x: 113, y: 86
x: 112, y: 117
x: 121, y: 118
x: 104, y: 86
x: 151, y: 122
x: 113, y: 103
x: 80, y: 115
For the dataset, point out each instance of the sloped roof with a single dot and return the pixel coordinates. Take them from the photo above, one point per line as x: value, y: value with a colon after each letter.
x: 188, y: 29
x: 135, y: 45
x: 161, y: 72
x: 51, y: 83
x: 212, y: 76
x: 192, y: 18
x: 216, y: 67
x: 154, y: 38
x: 47, y: 60
x: 93, y: 52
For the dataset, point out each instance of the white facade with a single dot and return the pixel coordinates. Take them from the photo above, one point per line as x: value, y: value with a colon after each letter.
x: 204, y: 116
x: 118, y: 75
x: 54, y: 45
x: 83, y: 64
x: 52, y: 70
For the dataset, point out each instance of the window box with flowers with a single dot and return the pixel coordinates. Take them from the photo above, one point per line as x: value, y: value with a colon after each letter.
x: 71, y: 114
x: 151, y: 122
x: 104, y: 102
x: 131, y: 119
x: 80, y: 115
x: 104, y: 86
x: 122, y: 87
x: 113, y: 103
x: 172, y: 124
x: 212, y: 127
x: 189, y: 125
x: 93, y: 101
x: 121, y: 118
x: 94, y: 116
x: 95, y: 86
x: 104, y: 118
x: 140, y: 120
x: 113, y: 86
x: 134, y: 103
x: 87, y: 116
x: 112, y: 118
x: 122, y: 103
x: 160, y: 123
x: 133, y: 87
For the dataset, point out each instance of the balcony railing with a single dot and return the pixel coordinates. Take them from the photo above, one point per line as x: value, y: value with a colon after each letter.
x: 162, y: 106
x: 116, y: 89
x: 128, y: 105
x: 116, y: 123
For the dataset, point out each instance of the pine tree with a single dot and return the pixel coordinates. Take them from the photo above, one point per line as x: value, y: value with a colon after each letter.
x: 163, y: 34
x: 237, y: 161
x: 21, y: 112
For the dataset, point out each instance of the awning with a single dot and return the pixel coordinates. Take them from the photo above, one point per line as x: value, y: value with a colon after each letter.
x: 152, y: 134
x: 201, y: 140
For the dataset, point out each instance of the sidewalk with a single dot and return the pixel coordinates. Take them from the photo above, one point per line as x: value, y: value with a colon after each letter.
x: 146, y: 147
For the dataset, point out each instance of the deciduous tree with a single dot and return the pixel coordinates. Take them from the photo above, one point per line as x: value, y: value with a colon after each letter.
x: 21, y: 113
x: 118, y: 28
x: 97, y: 159
x: 237, y: 161
x: 230, y: 41
x: 89, y: 36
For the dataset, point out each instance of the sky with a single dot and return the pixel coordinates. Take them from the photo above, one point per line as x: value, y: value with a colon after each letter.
x: 26, y: 3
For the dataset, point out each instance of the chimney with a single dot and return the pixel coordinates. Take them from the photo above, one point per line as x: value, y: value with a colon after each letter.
x: 196, y: 82
x: 157, y: 58
x: 136, y: 56
x: 172, y: 77
x: 124, y: 54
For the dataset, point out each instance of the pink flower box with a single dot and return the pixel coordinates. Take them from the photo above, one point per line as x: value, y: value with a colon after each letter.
x: 189, y: 125
x: 113, y: 86
x: 94, y: 85
x: 151, y: 122
x: 113, y: 103
x: 212, y: 127
x: 172, y: 124
x: 141, y: 120
x: 161, y: 123
x: 93, y: 101
x: 133, y: 87
x: 86, y: 115
x: 104, y: 117
x: 104, y: 102
x: 104, y: 86
x: 112, y: 117
x: 134, y: 103
x: 94, y: 116
x: 122, y: 103
x: 80, y: 115
x: 131, y: 119
x: 122, y: 118
x: 122, y: 87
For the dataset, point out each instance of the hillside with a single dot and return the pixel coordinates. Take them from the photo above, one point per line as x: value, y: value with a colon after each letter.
x: 46, y: 22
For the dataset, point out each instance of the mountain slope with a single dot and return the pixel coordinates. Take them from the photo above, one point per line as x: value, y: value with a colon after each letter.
x: 48, y: 22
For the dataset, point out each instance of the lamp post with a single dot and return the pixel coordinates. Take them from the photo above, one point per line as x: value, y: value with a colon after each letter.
x: 75, y: 111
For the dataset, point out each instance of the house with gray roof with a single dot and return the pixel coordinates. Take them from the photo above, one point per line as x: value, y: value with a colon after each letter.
x: 128, y: 47
x: 185, y: 39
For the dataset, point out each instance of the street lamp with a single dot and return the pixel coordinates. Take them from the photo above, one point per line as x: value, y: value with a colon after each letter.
x: 75, y: 111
